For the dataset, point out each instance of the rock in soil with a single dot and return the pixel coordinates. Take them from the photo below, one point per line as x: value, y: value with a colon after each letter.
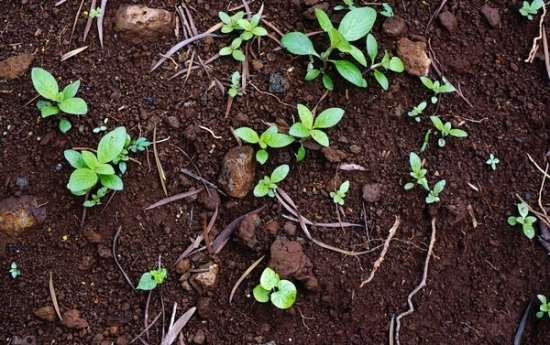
x: 46, y: 313
x: 492, y: 15
x: 200, y: 337
x: 372, y: 192
x: 205, y: 307
x: 205, y: 281
x: 394, y: 26
x: 414, y: 57
x: 71, y: 319
x: 278, y: 83
x: 289, y: 261
x: 238, y: 170
x: 448, y: 21
x: 210, y: 199
x: 333, y: 155
x: 15, y: 66
x: 27, y: 340
x: 138, y: 24
x: 246, y: 233
x: 90, y: 235
x: 18, y: 215
x: 183, y: 266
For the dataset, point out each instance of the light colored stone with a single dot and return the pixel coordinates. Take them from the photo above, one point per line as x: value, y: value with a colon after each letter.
x: 18, y: 215
x: 205, y: 281
x: 46, y: 313
x: 238, y: 170
x: 71, y: 319
x: 414, y: 57
x: 15, y: 66
x: 138, y: 24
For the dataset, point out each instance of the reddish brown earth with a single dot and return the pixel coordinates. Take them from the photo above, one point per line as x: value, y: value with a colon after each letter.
x: 480, y: 279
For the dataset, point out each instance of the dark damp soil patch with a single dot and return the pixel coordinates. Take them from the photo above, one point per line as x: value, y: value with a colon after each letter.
x: 480, y: 279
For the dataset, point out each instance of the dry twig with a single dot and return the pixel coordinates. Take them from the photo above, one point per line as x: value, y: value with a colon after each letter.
x: 116, y: 260
x: 54, y: 298
x: 535, y: 45
x: 244, y: 275
x: 162, y: 176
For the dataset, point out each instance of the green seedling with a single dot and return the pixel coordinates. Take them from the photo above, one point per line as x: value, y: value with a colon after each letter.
x: 493, y: 161
x: 96, y: 198
x: 531, y: 8
x: 139, y: 144
x: 249, y: 29
x: 150, y: 280
x: 433, y: 196
x: 355, y: 25
x: 340, y: 194
x: 417, y: 111
x: 91, y: 168
x: 14, y: 270
x: 270, y: 138
x: 282, y: 293
x: 268, y: 184
x: 393, y: 64
x: 348, y: 5
x: 235, y: 84
x: 388, y: 11
x: 311, y: 128
x: 417, y: 172
x: 426, y: 140
x: 95, y: 13
x: 525, y: 220
x: 65, y: 101
x: 544, y: 307
x: 446, y: 130
x: 437, y: 87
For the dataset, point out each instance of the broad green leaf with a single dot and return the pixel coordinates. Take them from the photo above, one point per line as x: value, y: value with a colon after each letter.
x: 90, y: 159
x: 385, y: 61
x: 512, y: 220
x: 64, y: 125
x: 59, y: 97
x: 259, y: 31
x: 105, y: 169
x: 446, y: 128
x: 269, y: 279
x: 245, y: 24
x: 324, y: 20
x: 111, y: 181
x: 357, y: 23
x: 247, y: 134
x: 225, y: 51
x: 523, y: 209
x: 529, y: 232
x: 111, y: 145
x: 285, y: 296
x: 409, y: 185
x: 437, y: 122
x: 225, y: 18
x: 75, y: 106
x: 260, y: 294
x: 146, y: 282
x: 446, y: 88
x: 280, y: 140
x: 255, y: 20
x: 320, y: 137
x: 298, y: 43
x: 305, y: 115
x: 246, y: 35
x: 261, y: 190
x: 301, y: 154
x: 49, y: 110
x: 358, y: 55
x: 338, y: 41
x: 415, y: 162
x: 427, y: 82
x: 70, y: 90
x: 299, y: 130
x: 238, y: 55
x: 438, y: 188
x: 372, y: 47
x: 328, y: 118
x: 327, y: 82
x: 89, y: 203
x: 381, y: 79
x: 279, y: 173
x: 344, y: 187
x: 312, y: 74
x: 350, y: 72
x: 236, y: 43
x: 82, y: 180
x: 396, y: 65
x: 459, y: 133
x: 159, y: 275
x: 226, y: 29
x: 75, y: 159
x: 262, y: 156
x: 44, y: 83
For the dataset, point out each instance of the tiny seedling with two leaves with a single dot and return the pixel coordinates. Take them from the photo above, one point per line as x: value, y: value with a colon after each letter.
x: 14, y: 270
x: 417, y: 111
x: 95, y: 12
x: 150, y: 280
x: 65, y: 101
x: 133, y: 145
x: 437, y: 87
x: 393, y: 64
x: 348, y: 5
x: 544, y: 307
x: 528, y: 9
x: 492, y: 161
x: 281, y: 292
x: 417, y: 172
x: 268, y: 184
x: 249, y: 30
x: 524, y: 219
x: 339, y: 195
x: 446, y: 130
x: 270, y: 138
x: 433, y: 195
x: 234, y: 89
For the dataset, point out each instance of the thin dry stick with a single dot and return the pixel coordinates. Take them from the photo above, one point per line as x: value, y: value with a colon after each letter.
x: 157, y: 160
x: 90, y: 20
x: 535, y: 45
x: 145, y: 330
x: 177, y: 327
x: 100, y: 21
x: 54, y: 298
x: 378, y: 262
x: 420, y: 286
x: 116, y: 261
x: 435, y: 14
x: 244, y: 275
x: 174, y: 198
x: 183, y: 44
x: 75, y: 20
x: 545, y: 49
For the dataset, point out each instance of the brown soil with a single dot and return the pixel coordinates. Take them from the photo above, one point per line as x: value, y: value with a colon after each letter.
x: 480, y: 278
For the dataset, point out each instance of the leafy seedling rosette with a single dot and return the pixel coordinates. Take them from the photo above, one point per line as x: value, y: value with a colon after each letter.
x: 282, y: 293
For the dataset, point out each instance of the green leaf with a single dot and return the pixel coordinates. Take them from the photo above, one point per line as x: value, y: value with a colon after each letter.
x: 327, y: 82
x: 75, y: 159
x: 312, y: 74
x: 44, y: 83
x: 357, y: 23
x: 350, y: 72
x: 70, y: 90
x: 49, y: 110
x: 255, y: 20
x: 105, y: 169
x: 523, y: 209
x: 344, y: 187
x: 280, y: 140
x: 225, y: 51
x: 146, y: 282
x: 238, y: 55
x: 247, y: 134
x: 427, y: 82
x: 259, y: 31
x: 246, y: 35
x: 279, y: 173
x: 328, y: 118
x: 285, y: 296
x: 261, y: 156
x: 261, y: 189
x: 75, y: 106
x: 225, y: 18
x: 409, y: 185
x: 358, y: 55
x: 529, y: 231
x: 299, y: 130
x: 381, y: 79
x: 260, y: 294
x: 82, y: 180
x: 512, y: 220
x: 305, y: 115
x: 438, y: 188
x: 446, y: 88
x: 269, y: 279
x: 320, y: 137
x: 338, y: 41
x: 159, y: 275
x: 372, y: 47
x: 437, y: 123
x: 324, y: 21
x: 64, y: 125
x: 459, y: 133
x: 90, y: 159
x: 396, y: 65
x: 111, y: 145
x: 298, y: 43
x: 245, y: 24
x: 111, y: 181
x: 415, y: 162
x: 89, y: 203
x: 301, y: 154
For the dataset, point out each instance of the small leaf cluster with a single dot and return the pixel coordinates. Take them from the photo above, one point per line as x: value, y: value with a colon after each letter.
x: 437, y: 87
x: 268, y: 184
x: 393, y: 64
x: 492, y: 161
x: 270, y: 138
x: 248, y: 30
x: 446, y: 130
x: 65, y: 101
x: 150, y: 280
x: 95, y: 12
x: 544, y: 307
x: 419, y: 174
x: 524, y: 219
x: 14, y: 270
x: 528, y: 9
x: 282, y: 293
x: 348, y: 4
x: 339, y: 195
x: 235, y: 84
x: 417, y: 110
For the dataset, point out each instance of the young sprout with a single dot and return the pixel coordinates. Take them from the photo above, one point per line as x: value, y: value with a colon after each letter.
x: 446, y: 130
x: 348, y: 5
x: 531, y: 8
x: 434, y: 193
x: 95, y: 13
x: 417, y: 172
x: 248, y: 29
x: 417, y: 111
x: 544, y: 307
x: 96, y: 198
x: 426, y: 140
x: 393, y: 64
x: 282, y: 293
x: 14, y: 271
x: 309, y: 128
x: 270, y: 138
x: 436, y: 87
x: 493, y: 161
x: 340, y: 194
x: 150, y: 280
x: 388, y: 11
x: 268, y: 184
x: 525, y: 221
x: 235, y: 81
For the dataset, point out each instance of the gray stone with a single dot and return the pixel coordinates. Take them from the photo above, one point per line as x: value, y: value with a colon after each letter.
x: 372, y: 192
x: 448, y: 21
x: 394, y: 26
x: 414, y: 57
x: 138, y: 24
x: 238, y: 170
x: 491, y: 14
